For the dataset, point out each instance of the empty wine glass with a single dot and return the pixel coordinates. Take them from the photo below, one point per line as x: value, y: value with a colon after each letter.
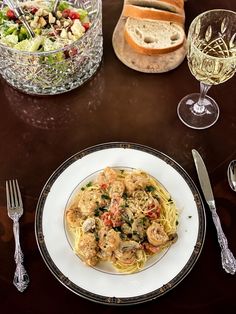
x: 212, y: 60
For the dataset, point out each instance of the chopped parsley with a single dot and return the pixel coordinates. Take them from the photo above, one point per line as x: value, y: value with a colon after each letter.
x: 99, y: 210
x: 117, y: 229
x: 125, y: 196
x: 96, y: 236
x: 86, y: 186
x: 105, y: 197
x: 96, y: 212
x: 150, y: 188
x: 144, y: 221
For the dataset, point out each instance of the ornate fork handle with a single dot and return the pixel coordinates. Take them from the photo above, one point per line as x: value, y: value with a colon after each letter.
x: 227, y: 258
x: 21, y: 278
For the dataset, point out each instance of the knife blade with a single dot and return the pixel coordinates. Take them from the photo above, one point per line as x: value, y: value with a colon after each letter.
x: 203, y: 176
x: 227, y: 258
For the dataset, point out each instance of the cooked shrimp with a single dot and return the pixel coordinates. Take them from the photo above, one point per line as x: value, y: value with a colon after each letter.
x: 73, y: 216
x: 89, y: 201
x: 134, y: 181
x: 109, y: 241
x: 88, y: 248
x: 156, y: 234
x: 117, y: 188
x: 106, y: 177
x: 151, y: 248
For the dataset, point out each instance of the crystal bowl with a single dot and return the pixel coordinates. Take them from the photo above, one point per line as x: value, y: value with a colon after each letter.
x: 35, y: 72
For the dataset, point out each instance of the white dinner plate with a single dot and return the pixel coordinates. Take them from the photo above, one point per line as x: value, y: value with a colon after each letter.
x: 97, y: 284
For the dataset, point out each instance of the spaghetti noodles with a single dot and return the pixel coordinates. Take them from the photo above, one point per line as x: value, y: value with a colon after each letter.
x: 123, y: 216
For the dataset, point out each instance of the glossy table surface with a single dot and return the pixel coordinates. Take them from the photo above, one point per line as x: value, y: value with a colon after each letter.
x: 117, y: 104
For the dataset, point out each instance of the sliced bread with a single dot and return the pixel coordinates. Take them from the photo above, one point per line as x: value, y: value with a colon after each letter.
x: 160, y: 63
x: 153, y: 37
x: 135, y: 11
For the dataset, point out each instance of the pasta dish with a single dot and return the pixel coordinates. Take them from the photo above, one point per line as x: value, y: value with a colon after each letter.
x: 122, y: 216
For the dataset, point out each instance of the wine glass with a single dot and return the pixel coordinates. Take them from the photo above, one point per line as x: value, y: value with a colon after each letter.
x: 212, y: 60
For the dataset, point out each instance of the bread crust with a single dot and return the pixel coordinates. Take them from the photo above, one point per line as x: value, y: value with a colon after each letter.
x: 152, y: 14
x: 179, y: 4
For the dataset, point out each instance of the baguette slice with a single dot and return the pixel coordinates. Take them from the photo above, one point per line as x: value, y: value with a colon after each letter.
x: 161, y: 63
x: 153, y: 37
x: 152, y: 14
x: 175, y: 6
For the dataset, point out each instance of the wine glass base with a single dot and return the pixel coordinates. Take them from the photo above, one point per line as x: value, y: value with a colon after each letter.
x: 197, y: 117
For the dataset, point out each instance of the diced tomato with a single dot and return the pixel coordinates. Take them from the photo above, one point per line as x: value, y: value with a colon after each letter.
x: 116, y: 223
x: 74, y: 15
x: 33, y: 10
x: 106, y: 217
x: 66, y: 13
x: 151, y: 214
x: 111, y: 220
x: 11, y: 15
x: 153, y: 211
x: 104, y: 186
x: 116, y: 217
x: 86, y: 26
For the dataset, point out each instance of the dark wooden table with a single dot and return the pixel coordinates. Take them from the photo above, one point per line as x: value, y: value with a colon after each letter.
x: 117, y: 104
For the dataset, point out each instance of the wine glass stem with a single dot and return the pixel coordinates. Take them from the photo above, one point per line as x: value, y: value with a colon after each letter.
x: 199, y: 107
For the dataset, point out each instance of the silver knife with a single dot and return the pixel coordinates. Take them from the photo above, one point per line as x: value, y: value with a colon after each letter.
x: 227, y: 258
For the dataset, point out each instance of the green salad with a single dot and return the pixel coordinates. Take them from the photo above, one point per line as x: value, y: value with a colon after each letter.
x: 52, y: 31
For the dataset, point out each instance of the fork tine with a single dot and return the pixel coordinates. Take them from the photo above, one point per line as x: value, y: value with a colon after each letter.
x: 15, y: 198
x: 19, y: 194
x: 7, y: 194
x: 11, y: 194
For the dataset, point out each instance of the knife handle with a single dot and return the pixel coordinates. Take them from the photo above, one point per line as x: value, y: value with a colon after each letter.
x: 227, y: 258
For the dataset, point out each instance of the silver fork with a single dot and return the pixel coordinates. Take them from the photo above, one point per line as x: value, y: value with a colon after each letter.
x: 15, y: 211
